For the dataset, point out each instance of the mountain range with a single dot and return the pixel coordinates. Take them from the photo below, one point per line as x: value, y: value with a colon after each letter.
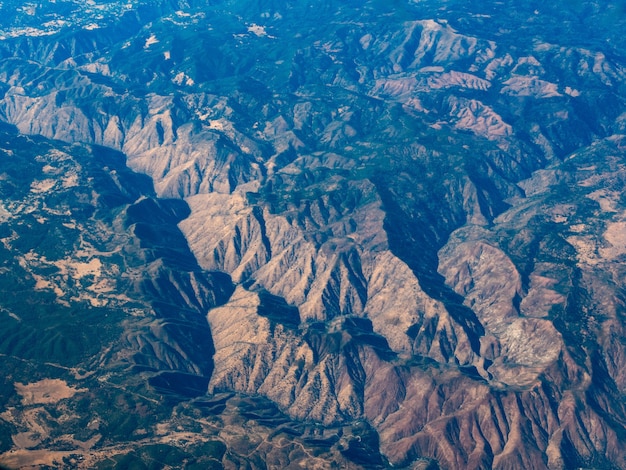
x: 262, y: 234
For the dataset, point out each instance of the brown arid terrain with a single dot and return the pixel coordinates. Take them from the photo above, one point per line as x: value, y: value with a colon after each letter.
x: 313, y: 235
x: 45, y: 391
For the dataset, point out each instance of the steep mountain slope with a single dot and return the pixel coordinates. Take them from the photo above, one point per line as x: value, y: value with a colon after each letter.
x: 418, y: 204
x: 104, y: 329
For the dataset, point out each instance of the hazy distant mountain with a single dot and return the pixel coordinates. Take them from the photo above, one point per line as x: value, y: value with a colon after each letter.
x: 373, y: 234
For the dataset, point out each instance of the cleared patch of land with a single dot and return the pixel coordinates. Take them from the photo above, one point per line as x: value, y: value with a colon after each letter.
x: 45, y: 391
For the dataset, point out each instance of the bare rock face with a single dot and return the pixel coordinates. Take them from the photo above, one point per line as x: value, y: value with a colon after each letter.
x: 518, y: 347
x: 308, y: 380
x: 397, y: 232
